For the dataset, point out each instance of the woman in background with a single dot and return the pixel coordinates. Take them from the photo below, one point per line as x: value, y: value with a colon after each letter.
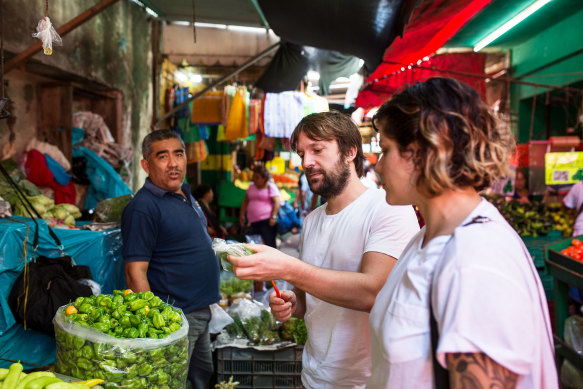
x: 204, y: 195
x: 261, y: 205
x: 521, y: 193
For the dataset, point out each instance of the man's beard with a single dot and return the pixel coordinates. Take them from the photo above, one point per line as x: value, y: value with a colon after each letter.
x: 332, y: 183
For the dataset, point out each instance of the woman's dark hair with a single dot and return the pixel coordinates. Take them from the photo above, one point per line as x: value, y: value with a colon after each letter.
x: 201, y: 190
x: 332, y: 125
x: 460, y: 143
x: 262, y: 171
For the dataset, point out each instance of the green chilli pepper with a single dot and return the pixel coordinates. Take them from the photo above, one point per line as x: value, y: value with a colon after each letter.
x: 137, y: 304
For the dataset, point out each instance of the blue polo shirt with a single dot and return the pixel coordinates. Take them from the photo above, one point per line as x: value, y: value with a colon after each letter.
x: 169, y: 231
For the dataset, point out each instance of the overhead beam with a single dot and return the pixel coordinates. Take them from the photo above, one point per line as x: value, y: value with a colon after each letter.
x: 260, y: 13
x: 62, y: 31
x: 250, y: 62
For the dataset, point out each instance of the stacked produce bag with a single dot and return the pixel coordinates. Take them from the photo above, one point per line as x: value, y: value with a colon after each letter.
x: 130, y: 340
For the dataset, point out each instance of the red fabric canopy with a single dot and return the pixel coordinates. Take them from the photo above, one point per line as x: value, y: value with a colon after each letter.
x: 431, y: 25
x: 461, y: 66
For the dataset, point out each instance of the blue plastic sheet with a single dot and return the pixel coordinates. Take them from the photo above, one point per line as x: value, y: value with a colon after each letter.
x: 101, y: 251
x: 105, y: 181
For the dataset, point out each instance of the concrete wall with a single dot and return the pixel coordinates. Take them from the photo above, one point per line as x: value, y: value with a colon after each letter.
x: 113, y: 49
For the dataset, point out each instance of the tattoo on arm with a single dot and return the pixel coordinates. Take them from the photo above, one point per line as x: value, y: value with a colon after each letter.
x: 478, y: 371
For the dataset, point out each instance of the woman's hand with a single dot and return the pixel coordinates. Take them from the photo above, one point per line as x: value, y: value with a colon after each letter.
x: 272, y: 221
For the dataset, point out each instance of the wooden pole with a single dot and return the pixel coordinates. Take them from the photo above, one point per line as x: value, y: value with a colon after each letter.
x: 63, y: 30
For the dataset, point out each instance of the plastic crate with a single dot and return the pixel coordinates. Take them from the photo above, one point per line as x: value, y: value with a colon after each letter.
x: 261, y: 369
x: 536, y: 246
x: 548, y: 284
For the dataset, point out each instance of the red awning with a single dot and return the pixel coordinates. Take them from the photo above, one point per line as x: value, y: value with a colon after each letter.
x: 466, y: 67
x: 431, y: 25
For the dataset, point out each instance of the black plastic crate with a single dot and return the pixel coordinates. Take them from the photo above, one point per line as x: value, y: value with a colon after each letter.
x: 261, y: 369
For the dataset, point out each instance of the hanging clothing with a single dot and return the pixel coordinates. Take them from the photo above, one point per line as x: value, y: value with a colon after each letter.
x: 207, y: 108
x: 282, y: 113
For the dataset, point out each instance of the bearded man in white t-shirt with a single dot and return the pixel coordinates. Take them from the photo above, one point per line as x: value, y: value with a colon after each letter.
x: 347, y: 249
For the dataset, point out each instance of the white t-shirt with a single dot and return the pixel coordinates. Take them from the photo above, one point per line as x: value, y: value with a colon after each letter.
x: 337, y: 353
x: 573, y: 200
x: 487, y: 298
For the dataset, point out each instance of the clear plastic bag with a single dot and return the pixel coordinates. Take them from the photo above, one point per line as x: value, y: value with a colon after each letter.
x: 571, y: 377
x: 86, y: 353
x: 222, y: 249
x: 219, y: 320
x: 253, y: 321
x: 47, y: 34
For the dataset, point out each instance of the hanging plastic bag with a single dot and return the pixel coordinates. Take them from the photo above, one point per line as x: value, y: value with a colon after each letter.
x: 47, y: 34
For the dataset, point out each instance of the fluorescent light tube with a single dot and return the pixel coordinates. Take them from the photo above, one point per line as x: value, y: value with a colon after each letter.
x: 510, y: 24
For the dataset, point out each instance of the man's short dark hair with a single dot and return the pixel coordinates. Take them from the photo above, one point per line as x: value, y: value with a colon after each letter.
x: 332, y: 125
x: 156, y: 136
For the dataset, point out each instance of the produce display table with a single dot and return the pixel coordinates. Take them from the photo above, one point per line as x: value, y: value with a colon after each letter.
x: 101, y: 251
x: 566, y: 272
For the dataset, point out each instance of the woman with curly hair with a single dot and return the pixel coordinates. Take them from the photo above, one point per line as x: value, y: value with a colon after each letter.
x: 463, y: 306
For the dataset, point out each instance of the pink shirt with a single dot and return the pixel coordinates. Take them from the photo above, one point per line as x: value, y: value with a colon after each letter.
x: 260, y: 203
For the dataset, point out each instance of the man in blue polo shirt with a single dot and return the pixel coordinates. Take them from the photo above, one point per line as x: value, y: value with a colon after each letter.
x: 166, y: 247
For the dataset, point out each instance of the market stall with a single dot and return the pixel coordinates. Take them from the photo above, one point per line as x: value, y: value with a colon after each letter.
x: 101, y: 251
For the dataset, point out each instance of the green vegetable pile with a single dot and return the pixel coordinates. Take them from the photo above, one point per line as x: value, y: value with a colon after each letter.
x: 294, y: 330
x: 133, y: 315
x: 260, y: 330
x: 152, y: 351
x: 110, y: 210
x: 233, y: 285
x: 534, y: 219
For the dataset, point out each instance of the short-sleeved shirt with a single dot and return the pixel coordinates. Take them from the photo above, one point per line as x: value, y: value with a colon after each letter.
x: 169, y: 231
x: 573, y: 200
x: 486, y: 297
x: 337, y: 352
x: 260, y: 204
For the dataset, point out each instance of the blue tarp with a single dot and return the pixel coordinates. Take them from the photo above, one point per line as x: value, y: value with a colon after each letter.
x: 101, y: 251
x: 105, y: 181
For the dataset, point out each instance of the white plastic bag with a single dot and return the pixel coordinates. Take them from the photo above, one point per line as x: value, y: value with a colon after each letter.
x: 47, y: 34
x: 219, y: 319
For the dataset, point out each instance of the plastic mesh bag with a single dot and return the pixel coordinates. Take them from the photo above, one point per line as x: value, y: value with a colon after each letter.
x: 47, y: 34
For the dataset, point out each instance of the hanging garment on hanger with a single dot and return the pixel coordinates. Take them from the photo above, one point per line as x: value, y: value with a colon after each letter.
x: 282, y: 113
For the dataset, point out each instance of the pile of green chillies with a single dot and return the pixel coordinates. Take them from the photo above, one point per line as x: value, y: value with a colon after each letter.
x: 148, y: 355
